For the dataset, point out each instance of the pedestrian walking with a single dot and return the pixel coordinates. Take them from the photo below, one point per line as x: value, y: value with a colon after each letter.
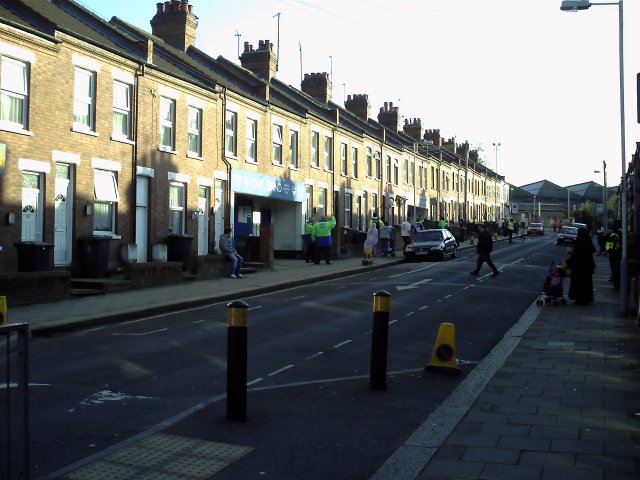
x: 226, y: 247
x: 442, y: 223
x: 322, y: 237
x: 582, y: 267
x: 370, y: 242
x: 309, y: 241
x: 385, y: 239
x: 405, y: 231
x: 510, y: 227
x: 484, y: 248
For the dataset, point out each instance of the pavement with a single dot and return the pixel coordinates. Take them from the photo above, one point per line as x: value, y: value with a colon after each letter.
x: 557, y: 398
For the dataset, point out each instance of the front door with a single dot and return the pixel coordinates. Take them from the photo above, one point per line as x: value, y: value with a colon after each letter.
x: 62, y: 225
x: 142, y: 217
x: 203, y: 220
x: 31, y: 214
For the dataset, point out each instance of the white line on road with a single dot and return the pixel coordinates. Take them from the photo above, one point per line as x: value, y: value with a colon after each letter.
x: 280, y: 370
x: 298, y: 297
x: 315, y: 355
x: 448, y: 296
x: 393, y: 321
x: 199, y: 321
x: 138, y: 334
x: 423, y: 307
x: 253, y: 308
x: 253, y: 382
x: 342, y: 343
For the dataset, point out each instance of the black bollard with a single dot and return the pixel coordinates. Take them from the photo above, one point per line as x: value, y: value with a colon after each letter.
x: 379, y: 339
x: 237, y: 360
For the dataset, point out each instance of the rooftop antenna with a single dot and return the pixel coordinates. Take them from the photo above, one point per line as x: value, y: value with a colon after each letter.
x: 300, y: 46
x: 238, y: 35
x: 278, y: 42
x: 331, y: 68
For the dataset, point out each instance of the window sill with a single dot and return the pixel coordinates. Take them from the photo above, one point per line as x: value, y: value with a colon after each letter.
x: 123, y: 140
x: 251, y: 161
x: 293, y: 167
x: 167, y: 150
x: 276, y: 164
x: 111, y: 235
x: 195, y: 156
x: 85, y: 131
x: 231, y: 155
x: 8, y: 127
x: 315, y: 166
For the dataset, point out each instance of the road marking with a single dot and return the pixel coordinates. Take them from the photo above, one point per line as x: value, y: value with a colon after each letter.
x: 413, y: 285
x: 199, y: 321
x: 447, y: 296
x: 280, y: 370
x: 342, y: 344
x: 409, y: 314
x: 253, y: 382
x: 412, y: 271
x: 423, y: 307
x: 393, y: 321
x: 315, y: 355
x: 138, y: 334
x: 254, y: 308
x: 4, y: 386
x: 298, y: 297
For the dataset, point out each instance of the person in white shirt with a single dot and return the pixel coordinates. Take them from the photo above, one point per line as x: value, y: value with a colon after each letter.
x: 405, y: 231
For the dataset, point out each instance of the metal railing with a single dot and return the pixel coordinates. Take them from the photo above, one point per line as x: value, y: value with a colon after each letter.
x: 14, y: 401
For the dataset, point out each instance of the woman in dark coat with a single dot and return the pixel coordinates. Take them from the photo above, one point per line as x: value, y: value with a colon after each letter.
x: 582, y: 267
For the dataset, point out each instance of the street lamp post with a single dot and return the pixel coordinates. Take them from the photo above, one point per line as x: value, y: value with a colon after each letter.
x: 496, y: 145
x: 572, y: 6
x: 605, y: 216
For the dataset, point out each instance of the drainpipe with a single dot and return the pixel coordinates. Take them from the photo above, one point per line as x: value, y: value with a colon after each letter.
x: 227, y: 192
x: 140, y: 72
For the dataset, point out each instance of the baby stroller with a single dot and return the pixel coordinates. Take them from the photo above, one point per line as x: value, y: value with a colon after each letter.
x: 552, y: 291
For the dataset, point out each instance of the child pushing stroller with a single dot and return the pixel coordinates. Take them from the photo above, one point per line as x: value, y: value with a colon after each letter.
x: 552, y: 291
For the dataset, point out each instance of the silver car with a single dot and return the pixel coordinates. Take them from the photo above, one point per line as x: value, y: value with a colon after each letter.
x: 433, y: 243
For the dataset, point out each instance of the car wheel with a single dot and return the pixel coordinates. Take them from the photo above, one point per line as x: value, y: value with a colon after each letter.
x: 453, y: 253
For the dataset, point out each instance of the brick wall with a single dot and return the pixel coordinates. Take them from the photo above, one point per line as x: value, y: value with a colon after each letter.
x: 26, y: 288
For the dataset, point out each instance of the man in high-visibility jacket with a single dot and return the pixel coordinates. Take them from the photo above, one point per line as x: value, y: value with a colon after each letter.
x: 613, y: 249
x: 322, y: 236
x: 309, y: 242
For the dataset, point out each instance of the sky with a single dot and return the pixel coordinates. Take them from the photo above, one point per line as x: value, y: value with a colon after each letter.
x: 534, y: 89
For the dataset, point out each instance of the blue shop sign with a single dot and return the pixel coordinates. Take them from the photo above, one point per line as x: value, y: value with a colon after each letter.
x: 267, y: 186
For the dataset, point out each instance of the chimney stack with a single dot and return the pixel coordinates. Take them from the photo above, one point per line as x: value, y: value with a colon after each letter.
x: 262, y: 62
x: 359, y: 105
x: 175, y: 23
x: 389, y: 117
x: 413, y: 128
x: 434, y: 136
x: 318, y: 86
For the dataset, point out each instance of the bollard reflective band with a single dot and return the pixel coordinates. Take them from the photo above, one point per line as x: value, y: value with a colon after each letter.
x: 381, y: 301
x: 237, y: 317
x: 3, y: 310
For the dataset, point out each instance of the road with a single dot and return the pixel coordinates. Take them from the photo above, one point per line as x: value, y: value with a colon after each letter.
x: 310, y: 410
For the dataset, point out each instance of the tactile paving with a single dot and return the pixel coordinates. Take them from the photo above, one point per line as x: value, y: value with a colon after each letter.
x: 163, y: 456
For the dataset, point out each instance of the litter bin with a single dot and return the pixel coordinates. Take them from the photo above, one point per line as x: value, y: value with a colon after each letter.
x: 34, y: 256
x: 179, y: 250
x: 95, y: 256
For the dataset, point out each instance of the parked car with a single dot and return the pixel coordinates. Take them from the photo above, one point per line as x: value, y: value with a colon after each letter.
x: 432, y: 243
x: 535, y: 229
x: 567, y: 235
x: 580, y: 225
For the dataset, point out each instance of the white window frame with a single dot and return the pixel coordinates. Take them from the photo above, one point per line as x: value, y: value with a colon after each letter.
x: 377, y: 161
x: 294, y: 141
x: 369, y: 162
x: 354, y: 162
x: 252, y: 140
x: 343, y: 159
x: 231, y: 133
x: 106, y: 196
x: 177, y: 205
x: 276, y: 144
x: 194, y: 131
x: 328, y: 153
x: 315, y: 149
x: 84, y: 100
x: 10, y: 91
x: 167, y: 140
x: 122, y: 110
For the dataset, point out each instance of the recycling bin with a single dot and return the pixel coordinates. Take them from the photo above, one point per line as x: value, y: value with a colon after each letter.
x: 95, y: 256
x: 179, y: 250
x: 34, y: 256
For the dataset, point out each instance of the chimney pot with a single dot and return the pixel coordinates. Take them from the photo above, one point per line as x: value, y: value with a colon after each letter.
x: 159, y: 8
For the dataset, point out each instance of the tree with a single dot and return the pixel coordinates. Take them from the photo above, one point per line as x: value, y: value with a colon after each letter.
x: 612, y: 207
x: 585, y: 214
